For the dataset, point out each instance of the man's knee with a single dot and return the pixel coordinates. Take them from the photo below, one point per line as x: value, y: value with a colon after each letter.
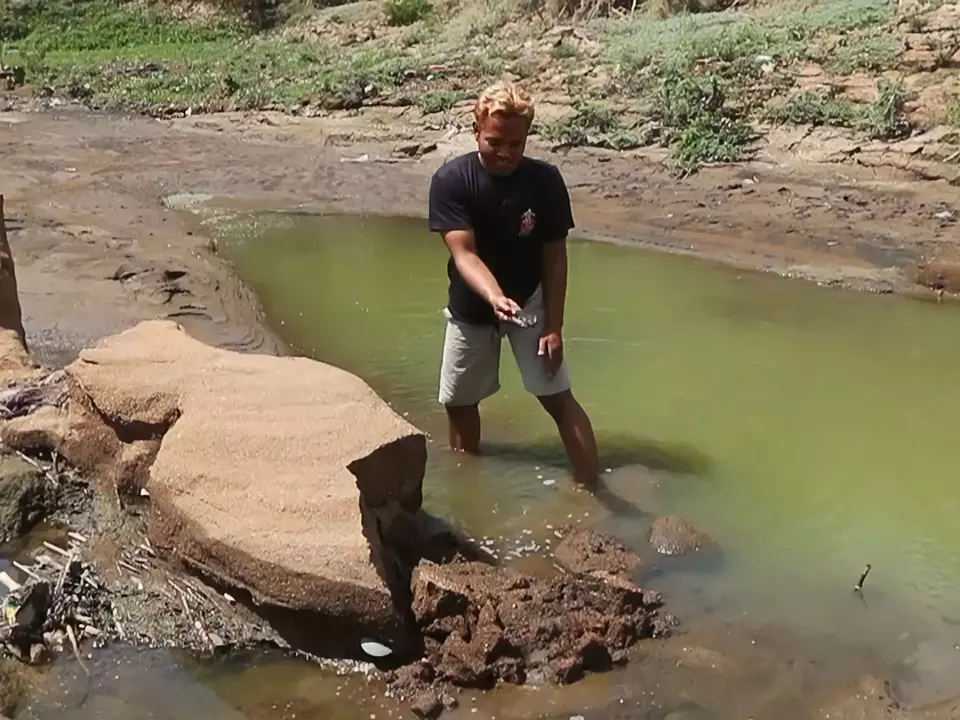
x: 462, y: 412
x: 558, y: 405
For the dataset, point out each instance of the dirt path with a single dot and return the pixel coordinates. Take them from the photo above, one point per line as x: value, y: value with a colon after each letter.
x: 97, y: 249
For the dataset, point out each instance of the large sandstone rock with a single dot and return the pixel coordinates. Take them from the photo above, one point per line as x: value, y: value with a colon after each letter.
x: 14, y: 359
x: 286, y: 477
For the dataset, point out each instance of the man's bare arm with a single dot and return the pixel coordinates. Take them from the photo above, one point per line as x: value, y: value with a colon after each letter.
x: 463, y: 249
x: 555, y: 283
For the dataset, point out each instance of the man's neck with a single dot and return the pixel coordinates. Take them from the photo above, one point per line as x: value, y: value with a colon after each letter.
x: 497, y: 175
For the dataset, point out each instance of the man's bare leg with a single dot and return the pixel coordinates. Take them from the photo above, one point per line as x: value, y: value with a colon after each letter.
x: 576, y: 432
x: 464, y: 422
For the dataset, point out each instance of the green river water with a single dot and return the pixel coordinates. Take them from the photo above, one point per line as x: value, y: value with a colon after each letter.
x: 808, y: 430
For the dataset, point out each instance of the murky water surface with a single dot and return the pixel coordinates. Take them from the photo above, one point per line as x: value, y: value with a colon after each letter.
x: 808, y: 430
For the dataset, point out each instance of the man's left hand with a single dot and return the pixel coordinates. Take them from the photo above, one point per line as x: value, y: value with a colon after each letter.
x: 551, y: 350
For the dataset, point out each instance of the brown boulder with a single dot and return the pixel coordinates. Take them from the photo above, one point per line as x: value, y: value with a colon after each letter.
x: 285, y: 477
x: 14, y: 358
x: 484, y: 625
x: 583, y: 550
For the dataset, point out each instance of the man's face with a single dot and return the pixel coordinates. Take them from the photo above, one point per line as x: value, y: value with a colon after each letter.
x: 501, y: 140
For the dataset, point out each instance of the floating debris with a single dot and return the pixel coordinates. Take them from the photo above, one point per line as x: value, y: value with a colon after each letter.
x: 61, y: 601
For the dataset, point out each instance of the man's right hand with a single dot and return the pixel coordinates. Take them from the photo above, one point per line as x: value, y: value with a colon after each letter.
x: 504, y: 308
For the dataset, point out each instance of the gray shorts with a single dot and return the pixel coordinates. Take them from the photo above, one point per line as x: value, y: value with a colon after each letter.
x: 470, y: 370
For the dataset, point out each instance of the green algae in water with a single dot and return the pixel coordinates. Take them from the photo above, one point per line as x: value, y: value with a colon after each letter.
x: 808, y: 430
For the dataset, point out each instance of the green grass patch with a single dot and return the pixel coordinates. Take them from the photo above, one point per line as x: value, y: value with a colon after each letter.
x: 870, y: 50
x: 883, y: 119
x: 222, y: 75
x: 816, y: 107
x: 777, y: 31
x: 886, y: 118
x: 439, y: 101
x: 85, y: 25
x: 952, y: 114
x: 406, y: 12
x: 595, y: 124
x: 700, y: 124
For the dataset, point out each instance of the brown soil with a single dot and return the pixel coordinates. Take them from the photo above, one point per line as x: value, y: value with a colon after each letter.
x: 97, y: 249
x: 484, y: 625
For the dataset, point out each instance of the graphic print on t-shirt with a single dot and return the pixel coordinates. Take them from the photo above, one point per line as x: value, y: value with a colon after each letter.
x: 527, y: 222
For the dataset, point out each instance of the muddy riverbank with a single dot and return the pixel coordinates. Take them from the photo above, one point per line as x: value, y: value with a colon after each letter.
x: 90, y: 228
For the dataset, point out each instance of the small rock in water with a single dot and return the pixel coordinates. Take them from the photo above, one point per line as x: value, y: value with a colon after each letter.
x: 427, y: 706
x: 672, y: 535
x: 548, y: 483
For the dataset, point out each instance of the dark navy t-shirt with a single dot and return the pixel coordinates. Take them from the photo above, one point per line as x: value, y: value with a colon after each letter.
x: 511, y: 217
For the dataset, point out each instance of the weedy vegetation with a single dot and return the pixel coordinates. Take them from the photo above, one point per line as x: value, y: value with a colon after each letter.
x: 692, y: 75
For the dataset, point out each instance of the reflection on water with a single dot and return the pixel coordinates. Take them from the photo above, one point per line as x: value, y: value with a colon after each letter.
x: 128, y: 684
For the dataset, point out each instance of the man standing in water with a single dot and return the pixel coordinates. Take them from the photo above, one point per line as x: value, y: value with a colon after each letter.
x: 505, y: 218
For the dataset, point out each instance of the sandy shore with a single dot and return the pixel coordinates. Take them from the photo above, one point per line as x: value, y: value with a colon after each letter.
x: 97, y: 248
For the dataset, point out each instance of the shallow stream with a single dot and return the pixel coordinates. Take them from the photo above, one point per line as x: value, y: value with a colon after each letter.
x: 808, y: 430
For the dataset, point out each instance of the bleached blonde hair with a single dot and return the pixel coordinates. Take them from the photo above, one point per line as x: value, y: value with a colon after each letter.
x: 503, y: 98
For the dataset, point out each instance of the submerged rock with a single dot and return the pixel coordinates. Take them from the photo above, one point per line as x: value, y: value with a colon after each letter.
x: 285, y: 477
x: 672, y: 535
